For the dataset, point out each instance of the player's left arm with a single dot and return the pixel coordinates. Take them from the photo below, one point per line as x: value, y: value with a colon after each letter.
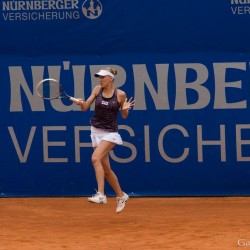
x: 125, y: 104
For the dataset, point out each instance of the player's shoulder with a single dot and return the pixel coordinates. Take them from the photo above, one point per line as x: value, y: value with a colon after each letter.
x: 97, y: 89
x: 121, y: 93
x: 121, y: 96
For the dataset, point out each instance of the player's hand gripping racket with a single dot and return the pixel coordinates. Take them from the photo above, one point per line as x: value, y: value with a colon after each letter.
x: 50, y: 89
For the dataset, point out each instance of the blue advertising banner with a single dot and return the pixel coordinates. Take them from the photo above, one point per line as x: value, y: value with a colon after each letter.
x: 187, y: 65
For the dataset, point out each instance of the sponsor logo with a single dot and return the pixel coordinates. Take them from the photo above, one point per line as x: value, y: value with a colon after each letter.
x: 92, y: 9
x: 50, y: 10
x: 105, y: 103
x: 240, y: 7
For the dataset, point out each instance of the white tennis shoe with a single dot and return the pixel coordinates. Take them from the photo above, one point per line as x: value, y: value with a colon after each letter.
x: 121, y: 202
x: 98, y: 198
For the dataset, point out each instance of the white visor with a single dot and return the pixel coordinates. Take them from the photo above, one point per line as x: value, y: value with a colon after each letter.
x: 103, y: 72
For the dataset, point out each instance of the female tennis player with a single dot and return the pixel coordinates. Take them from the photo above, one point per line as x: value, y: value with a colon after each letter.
x: 104, y: 132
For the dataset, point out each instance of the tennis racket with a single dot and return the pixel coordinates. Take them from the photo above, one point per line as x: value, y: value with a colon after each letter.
x: 51, y: 89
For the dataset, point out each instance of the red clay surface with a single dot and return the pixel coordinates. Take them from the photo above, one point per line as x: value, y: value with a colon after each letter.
x: 145, y: 224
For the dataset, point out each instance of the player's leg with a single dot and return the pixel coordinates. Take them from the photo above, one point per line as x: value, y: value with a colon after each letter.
x: 99, y: 153
x: 112, y: 179
x: 111, y: 176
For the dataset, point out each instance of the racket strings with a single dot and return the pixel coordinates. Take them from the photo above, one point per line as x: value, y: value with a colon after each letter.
x: 49, y: 90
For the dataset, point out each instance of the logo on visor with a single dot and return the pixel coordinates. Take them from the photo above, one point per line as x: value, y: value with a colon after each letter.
x: 92, y: 9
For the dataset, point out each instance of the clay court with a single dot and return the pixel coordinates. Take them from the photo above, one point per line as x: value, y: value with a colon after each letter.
x: 206, y: 223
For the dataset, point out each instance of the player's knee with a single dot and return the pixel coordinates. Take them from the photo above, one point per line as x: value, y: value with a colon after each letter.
x: 95, y: 159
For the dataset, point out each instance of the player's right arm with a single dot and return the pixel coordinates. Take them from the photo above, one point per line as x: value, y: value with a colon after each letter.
x: 86, y: 104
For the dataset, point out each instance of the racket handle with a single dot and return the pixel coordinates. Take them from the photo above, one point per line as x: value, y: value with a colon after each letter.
x: 74, y: 99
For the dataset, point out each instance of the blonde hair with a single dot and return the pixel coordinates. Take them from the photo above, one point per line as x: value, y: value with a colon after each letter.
x: 112, y: 71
